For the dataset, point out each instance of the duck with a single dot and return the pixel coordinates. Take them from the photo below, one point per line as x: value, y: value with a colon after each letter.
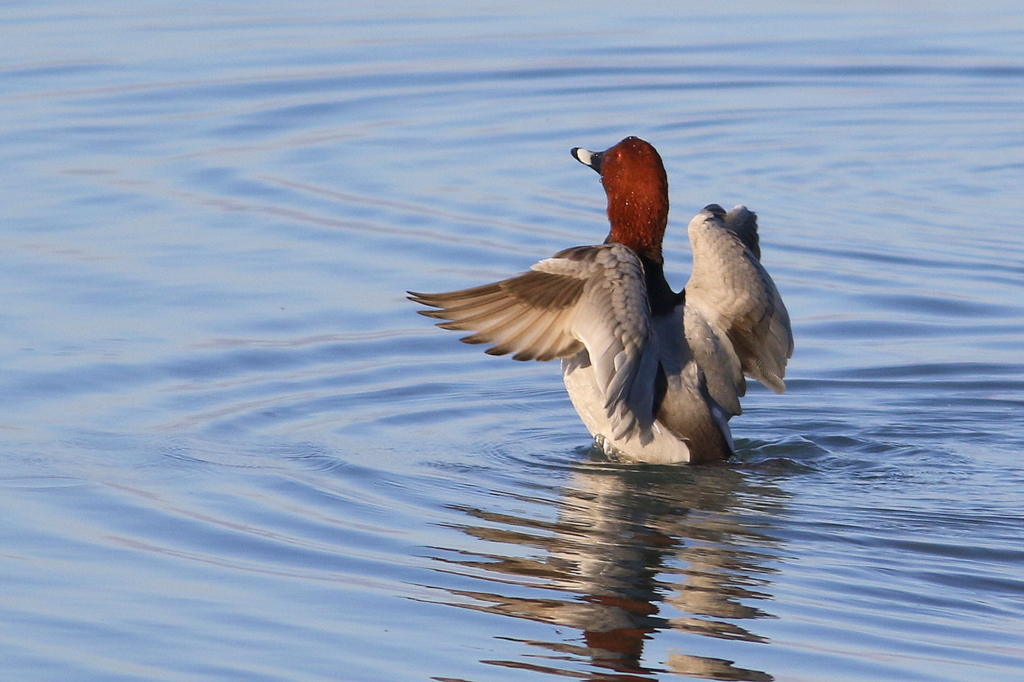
x: 655, y: 375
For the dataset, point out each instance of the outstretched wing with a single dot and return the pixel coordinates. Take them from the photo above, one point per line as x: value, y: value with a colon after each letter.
x: 586, y: 297
x: 738, y: 320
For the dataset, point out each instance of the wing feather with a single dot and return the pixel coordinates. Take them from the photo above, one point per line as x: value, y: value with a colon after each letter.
x: 737, y: 299
x: 587, y: 297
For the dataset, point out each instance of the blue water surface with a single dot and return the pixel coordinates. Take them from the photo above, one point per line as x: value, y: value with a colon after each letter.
x: 232, y: 450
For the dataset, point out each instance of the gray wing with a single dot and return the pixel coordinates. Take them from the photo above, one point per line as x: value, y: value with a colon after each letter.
x: 737, y: 320
x: 586, y: 297
x: 742, y: 222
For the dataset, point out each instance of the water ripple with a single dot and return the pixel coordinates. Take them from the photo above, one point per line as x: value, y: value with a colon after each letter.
x: 232, y: 450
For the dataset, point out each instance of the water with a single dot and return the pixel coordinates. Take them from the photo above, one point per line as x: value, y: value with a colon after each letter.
x: 231, y: 450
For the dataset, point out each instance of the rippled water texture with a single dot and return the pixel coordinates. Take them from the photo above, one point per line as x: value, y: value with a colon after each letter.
x: 231, y: 450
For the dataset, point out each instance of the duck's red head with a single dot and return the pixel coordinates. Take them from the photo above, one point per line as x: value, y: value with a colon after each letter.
x: 637, y: 187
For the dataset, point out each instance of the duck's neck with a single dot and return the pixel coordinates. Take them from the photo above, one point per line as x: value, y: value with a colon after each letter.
x: 659, y: 294
x: 646, y: 243
x: 638, y: 225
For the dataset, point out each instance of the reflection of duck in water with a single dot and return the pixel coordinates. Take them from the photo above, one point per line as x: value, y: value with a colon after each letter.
x: 654, y: 375
x: 634, y: 552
